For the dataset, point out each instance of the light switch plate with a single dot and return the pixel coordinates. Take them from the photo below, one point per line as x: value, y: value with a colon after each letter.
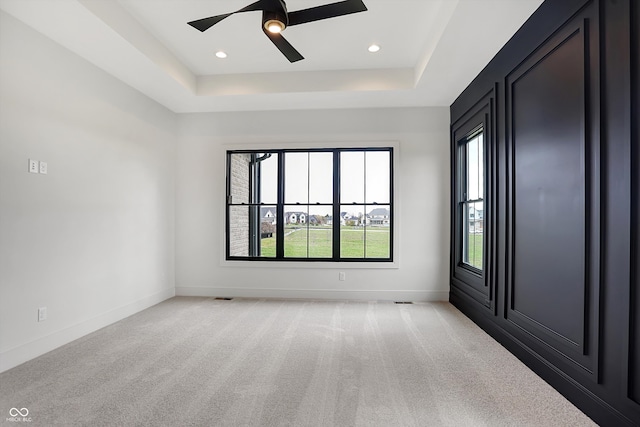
x: 42, y: 314
x: 43, y: 167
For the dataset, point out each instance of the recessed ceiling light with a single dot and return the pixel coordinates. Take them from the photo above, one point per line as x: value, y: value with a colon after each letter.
x: 374, y: 48
x: 221, y: 54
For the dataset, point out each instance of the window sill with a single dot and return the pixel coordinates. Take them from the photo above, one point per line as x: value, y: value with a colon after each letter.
x: 316, y: 265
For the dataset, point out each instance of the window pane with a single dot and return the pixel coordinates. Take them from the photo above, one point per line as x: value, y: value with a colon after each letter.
x: 378, y: 243
x: 320, y: 177
x: 239, y: 230
x: 480, y: 167
x: 472, y: 169
x: 466, y: 249
x: 473, y: 234
x: 475, y: 172
x: 476, y: 227
x: 377, y: 177
x: 308, y: 232
x: 296, y: 178
x: 268, y: 222
x: 240, y: 177
x: 320, y: 232
x: 242, y: 233
x: 352, y: 177
x: 268, y: 179
x: 295, y: 231
x: 378, y: 232
x: 352, y: 236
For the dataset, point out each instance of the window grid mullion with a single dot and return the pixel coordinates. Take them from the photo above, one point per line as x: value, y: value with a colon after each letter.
x: 308, y: 223
x: 364, y: 207
x: 280, y: 208
x: 336, y: 256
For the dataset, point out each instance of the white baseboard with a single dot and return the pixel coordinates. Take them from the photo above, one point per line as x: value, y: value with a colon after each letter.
x: 326, y: 294
x: 18, y: 355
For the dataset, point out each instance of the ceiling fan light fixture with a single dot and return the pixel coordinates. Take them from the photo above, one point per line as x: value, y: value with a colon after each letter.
x: 274, y: 26
x: 276, y: 18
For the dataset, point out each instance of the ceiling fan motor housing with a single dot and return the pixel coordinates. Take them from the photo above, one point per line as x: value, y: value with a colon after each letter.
x: 276, y: 13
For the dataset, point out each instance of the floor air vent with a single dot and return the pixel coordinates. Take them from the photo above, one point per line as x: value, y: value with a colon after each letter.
x: 403, y: 302
x: 223, y: 299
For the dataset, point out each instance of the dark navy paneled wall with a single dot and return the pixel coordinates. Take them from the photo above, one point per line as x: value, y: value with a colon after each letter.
x: 562, y: 210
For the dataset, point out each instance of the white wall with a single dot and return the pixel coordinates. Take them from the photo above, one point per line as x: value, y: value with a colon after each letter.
x: 422, y: 204
x: 93, y: 240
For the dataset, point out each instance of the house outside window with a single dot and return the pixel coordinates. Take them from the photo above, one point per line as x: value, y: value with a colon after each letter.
x: 282, y: 204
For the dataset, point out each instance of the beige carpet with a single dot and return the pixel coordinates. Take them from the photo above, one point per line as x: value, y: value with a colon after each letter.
x: 207, y: 362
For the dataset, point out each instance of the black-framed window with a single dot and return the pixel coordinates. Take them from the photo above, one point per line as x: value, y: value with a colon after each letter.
x: 471, y: 199
x: 329, y: 204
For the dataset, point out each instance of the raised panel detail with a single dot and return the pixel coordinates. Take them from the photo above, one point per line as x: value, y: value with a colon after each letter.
x: 549, y: 192
x: 634, y: 336
x: 553, y: 191
x: 478, y: 286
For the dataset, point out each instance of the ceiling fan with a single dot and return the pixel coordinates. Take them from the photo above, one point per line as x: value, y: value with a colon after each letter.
x: 275, y: 18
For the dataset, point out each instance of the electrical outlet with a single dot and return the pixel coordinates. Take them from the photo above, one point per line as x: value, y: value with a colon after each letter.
x: 33, y: 166
x: 42, y: 314
x: 342, y: 276
x: 43, y: 167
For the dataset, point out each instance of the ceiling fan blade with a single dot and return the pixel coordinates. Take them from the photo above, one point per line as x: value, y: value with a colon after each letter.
x: 206, y: 23
x: 326, y: 11
x: 284, y: 46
